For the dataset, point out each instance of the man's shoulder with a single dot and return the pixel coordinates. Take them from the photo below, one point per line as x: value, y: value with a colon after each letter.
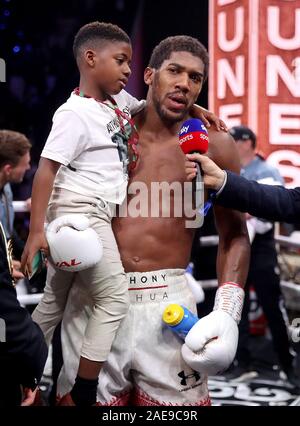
x: 222, y: 150
x: 267, y: 170
x: 219, y: 138
x: 7, y: 190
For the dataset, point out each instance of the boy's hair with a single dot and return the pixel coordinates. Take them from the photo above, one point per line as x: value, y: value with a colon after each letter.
x: 180, y: 43
x: 13, y: 146
x: 96, y: 32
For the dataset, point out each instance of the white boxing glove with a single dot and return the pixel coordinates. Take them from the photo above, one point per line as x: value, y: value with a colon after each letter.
x: 73, y: 245
x: 211, y: 344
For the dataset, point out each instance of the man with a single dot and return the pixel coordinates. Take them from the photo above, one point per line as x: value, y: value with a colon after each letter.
x: 23, y: 351
x: 263, y: 269
x: 14, y: 162
x: 274, y: 203
x: 145, y: 365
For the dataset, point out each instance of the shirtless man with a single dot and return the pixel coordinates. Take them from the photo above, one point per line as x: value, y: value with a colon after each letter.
x: 148, y: 363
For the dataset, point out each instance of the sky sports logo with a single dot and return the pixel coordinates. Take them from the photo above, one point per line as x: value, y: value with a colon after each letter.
x: 2, y: 71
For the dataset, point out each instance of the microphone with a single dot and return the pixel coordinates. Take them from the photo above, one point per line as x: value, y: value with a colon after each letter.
x: 193, y: 138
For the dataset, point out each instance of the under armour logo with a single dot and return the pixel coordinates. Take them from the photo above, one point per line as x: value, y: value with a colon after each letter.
x: 189, y: 376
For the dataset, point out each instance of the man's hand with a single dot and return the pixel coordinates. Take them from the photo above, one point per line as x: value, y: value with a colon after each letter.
x: 28, y: 396
x: 35, y: 242
x: 16, y: 273
x: 211, y: 344
x: 208, y: 118
x: 213, y: 176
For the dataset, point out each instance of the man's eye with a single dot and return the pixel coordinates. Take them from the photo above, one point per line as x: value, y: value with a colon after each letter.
x: 173, y: 70
x: 196, y: 78
x: 120, y: 61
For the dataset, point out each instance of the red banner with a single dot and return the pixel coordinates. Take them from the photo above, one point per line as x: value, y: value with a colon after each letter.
x: 254, y: 77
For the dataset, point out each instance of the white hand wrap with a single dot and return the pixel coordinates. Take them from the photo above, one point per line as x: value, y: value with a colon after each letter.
x: 74, y: 246
x: 230, y: 298
x: 211, y: 344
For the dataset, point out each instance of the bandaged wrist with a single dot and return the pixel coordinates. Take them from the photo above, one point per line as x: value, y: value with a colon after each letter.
x: 230, y: 298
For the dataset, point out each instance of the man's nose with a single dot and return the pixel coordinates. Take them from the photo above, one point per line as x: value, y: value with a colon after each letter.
x: 183, y: 82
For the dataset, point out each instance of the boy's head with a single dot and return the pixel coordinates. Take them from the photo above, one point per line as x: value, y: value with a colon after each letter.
x: 177, y: 70
x: 14, y: 156
x: 103, y: 52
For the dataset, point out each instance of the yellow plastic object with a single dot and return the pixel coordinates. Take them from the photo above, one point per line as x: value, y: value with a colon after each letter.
x: 173, y: 314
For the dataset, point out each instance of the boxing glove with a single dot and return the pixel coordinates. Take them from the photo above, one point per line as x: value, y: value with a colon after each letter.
x: 211, y: 344
x: 73, y: 245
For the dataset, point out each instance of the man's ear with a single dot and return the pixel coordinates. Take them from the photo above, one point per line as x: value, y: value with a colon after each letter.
x: 7, y: 168
x: 89, y: 57
x: 148, y: 75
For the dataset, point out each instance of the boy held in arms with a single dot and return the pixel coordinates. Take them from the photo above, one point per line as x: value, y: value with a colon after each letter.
x: 84, y: 171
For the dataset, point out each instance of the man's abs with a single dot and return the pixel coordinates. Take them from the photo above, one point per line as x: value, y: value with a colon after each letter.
x: 149, y: 244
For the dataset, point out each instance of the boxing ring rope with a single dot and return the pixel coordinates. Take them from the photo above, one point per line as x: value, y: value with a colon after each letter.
x: 205, y: 241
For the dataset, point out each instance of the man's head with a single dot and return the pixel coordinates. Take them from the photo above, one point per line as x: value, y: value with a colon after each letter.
x: 177, y: 70
x: 246, y: 143
x: 103, y: 52
x: 14, y: 156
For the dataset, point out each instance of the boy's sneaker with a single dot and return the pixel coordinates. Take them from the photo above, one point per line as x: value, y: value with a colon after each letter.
x: 67, y: 401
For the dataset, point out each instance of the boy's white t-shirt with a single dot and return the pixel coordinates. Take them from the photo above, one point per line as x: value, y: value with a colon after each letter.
x: 87, y: 140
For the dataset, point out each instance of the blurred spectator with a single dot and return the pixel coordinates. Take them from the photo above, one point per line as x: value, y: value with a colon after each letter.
x: 14, y: 161
x: 23, y: 351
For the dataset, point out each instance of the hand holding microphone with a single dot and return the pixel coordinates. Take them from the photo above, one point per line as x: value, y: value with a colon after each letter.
x: 193, y: 138
x: 213, y: 176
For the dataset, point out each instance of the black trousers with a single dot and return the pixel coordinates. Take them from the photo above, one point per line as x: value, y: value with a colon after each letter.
x: 267, y: 286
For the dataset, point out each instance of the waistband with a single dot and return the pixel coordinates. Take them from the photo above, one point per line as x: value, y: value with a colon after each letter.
x: 156, y: 285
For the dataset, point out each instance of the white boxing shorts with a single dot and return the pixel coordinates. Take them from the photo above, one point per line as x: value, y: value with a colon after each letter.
x: 144, y: 366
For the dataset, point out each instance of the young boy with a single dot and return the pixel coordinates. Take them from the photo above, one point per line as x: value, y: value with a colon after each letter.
x: 84, y: 168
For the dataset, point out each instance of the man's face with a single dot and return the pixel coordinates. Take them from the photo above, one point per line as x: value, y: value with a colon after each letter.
x: 15, y: 174
x: 176, y: 85
x: 112, y: 66
x: 244, y: 148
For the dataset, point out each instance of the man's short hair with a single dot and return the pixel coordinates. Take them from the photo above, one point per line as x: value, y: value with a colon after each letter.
x: 13, y: 146
x: 243, y: 133
x: 96, y: 32
x: 180, y: 43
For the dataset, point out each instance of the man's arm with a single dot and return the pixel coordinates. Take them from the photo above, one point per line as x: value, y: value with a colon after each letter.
x: 274, y: 203
x: 210, y: 345
x: 234, y: 248
x: 41, y: 191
